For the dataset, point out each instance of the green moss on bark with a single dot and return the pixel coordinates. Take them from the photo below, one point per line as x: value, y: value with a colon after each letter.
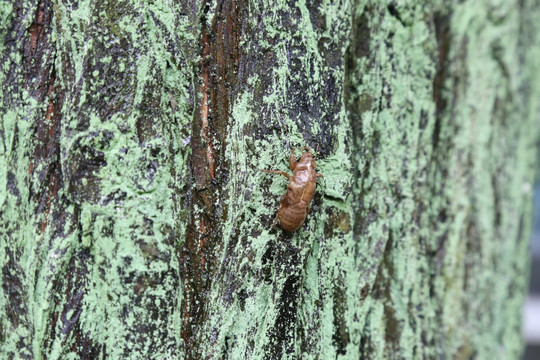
x: 135, y: 220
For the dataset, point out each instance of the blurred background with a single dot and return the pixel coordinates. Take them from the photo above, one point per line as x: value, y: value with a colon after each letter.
x: 531, y: 310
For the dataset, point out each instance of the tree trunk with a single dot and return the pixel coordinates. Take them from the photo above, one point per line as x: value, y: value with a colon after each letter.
x: 136, y: 223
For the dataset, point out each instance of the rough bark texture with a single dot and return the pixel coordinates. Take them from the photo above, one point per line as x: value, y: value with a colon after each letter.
x: 135, y: 220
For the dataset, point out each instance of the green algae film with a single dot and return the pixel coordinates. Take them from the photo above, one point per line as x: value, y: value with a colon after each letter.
x: 411, y: 187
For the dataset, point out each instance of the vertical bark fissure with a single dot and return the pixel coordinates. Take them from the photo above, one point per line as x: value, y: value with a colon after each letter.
x: 217, y: 81
x: 40, y: 79
x: 62, y: 322
x: 15, y: 304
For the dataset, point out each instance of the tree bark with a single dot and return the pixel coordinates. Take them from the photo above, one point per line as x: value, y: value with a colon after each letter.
x: 135, y: 222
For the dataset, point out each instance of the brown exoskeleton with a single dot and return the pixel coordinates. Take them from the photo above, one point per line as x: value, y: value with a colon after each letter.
x: 295, y: 203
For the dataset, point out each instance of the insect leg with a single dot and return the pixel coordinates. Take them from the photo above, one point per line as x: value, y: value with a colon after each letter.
x: 319, y: 175
x: 277, y: 215
x: 278, y: 172
x: 276, y: 219
x: 292, y: 161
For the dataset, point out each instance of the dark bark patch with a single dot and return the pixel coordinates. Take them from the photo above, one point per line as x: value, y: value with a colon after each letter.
x: 65, y: 318
x: 393, y: 10
x: 85, y: 160
x: 242, y: 296
x: 339, y: 221
x: 267, y: 262
x: 11, y: 186
x: 341, y: 336
x: 12, y: 287
x: 442, y: 32
x: 282, y: 334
